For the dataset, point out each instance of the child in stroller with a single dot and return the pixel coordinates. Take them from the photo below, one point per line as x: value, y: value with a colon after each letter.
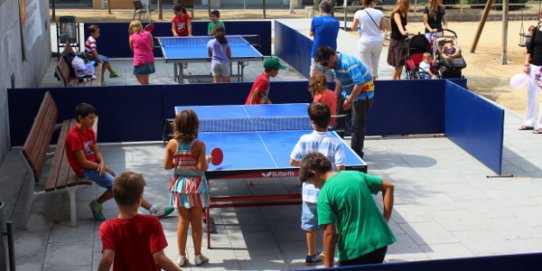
x: 449, y: 60
x: 426, y: 67
x: 418, y: 45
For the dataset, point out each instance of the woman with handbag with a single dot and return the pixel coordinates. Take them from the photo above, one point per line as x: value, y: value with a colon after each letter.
x: 369, y: 22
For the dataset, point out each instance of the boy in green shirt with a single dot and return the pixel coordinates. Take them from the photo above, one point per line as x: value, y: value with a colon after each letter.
x: 215, y: 16
x: 347, y: 212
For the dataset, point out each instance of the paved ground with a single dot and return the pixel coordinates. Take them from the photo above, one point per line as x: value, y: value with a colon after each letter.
x: 445, y: 206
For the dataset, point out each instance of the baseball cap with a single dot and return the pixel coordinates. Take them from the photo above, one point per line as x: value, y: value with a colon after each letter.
x: 273, y: 63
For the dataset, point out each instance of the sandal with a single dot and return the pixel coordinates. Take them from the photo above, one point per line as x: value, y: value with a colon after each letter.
x: 538, y: 131
x: 525, y: 127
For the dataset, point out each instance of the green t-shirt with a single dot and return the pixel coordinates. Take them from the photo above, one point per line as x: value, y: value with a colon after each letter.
x: 212, y: 26
x: 345, y: 199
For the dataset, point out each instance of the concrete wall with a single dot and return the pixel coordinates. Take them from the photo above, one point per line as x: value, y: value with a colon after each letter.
x: 14, y: 71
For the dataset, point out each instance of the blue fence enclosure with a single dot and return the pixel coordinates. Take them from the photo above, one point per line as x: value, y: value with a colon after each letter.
x: 293, y: 47
x: 524, y: 262
x: 475, y: 124
x: 113, y: 40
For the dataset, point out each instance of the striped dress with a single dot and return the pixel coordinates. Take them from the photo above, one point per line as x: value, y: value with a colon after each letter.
x: 189, y: 188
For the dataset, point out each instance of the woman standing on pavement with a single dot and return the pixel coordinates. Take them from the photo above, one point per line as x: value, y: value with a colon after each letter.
x: 533, y: 63
x: 369, y: 22
x: 397, y: 50
x: 434, y: 18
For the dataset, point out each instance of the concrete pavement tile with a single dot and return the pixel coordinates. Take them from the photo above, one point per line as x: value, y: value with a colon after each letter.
x: 404, y: 249
x: 256, y: 244
x: 404, y: 213
x: 459, y: 220
x: 63, y: 233
x: 513, y: 228
x: 71, y: 268
x: 428, y: 233
x: 484, y: 242
x: 288, y: 231
x: 289, y: 213
x: 527, y: 245
x: 446, y: 251
x: 68, y: 254
x: 263, y: 263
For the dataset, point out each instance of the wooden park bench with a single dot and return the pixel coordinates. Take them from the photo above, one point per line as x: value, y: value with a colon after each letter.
x: 61, y: 177
x: 65, y: 72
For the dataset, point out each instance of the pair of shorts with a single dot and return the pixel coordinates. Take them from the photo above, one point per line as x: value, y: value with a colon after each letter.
x: 102, y: 58
x: 105, y: 181
x: 144, y: 69
x: 309, y: 216
x: 316, y: 67
x: 220, y: 69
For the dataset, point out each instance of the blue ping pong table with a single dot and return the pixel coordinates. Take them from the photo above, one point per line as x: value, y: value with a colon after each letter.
x: 182, y: 50
x: 257, y: 141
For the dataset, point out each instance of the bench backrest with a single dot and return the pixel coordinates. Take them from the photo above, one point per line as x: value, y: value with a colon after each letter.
x: 63, y: 70
x: 37, y: 142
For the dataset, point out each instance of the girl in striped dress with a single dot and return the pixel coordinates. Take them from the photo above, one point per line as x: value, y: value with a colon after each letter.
x: 189, y: 189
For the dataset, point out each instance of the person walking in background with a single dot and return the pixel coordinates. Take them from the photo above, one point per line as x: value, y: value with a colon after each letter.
x: 396, y: 52
x: 141, y: 44
x: 219, y: 51
x: 434, y: 19
x: 533, y: 63
x: 348, y: 213
x: 325, y: 30
x: 293, y: 5
x: 369, y: 22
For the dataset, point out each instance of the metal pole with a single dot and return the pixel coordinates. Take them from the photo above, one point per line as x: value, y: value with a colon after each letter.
x: 209, y: 8
x: 505, y: 5
x: 54, y: 10
x: 345, y: 10
x: 481, y: 25
x: 160, y: 15
x: 109, y: 6
x: 11, y: 249
x: 265, y: 17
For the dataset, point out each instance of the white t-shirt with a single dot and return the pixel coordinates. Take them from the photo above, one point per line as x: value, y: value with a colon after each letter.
x: 368, y: 30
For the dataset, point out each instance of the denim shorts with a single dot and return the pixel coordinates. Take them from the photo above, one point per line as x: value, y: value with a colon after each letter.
x: 102, y: 58
x: 105, y: 181
x: 143, y: 69
x: 309, y: 216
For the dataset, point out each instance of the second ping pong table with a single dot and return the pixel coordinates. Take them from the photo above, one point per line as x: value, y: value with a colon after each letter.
x: 184, y: 50
x: 257, y: 141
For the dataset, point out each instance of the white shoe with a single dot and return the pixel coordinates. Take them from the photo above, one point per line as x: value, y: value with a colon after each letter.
x: 182, y: 261
x: 200, y: 259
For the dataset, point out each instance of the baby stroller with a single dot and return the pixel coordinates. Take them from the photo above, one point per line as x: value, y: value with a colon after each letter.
x: 451, y: 67
x: 415, y: 45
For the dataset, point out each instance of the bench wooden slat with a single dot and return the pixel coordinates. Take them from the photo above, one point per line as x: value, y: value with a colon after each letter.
x: 56, y: 165
x: 64, y: 71
x: 37, y: 143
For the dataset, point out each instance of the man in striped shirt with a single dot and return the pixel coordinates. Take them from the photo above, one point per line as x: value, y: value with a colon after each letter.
x: 357, y: 90
x: 92, y: 53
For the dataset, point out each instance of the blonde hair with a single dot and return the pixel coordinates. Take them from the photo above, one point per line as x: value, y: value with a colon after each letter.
x: 135, y: 27
x: 401, y: 7
x: 317, y: 84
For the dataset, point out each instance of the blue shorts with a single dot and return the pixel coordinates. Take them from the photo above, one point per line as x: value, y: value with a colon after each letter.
x: 105, y: 181
x: 102, y: 58
x: 309, y: 216
x: 146, y: 68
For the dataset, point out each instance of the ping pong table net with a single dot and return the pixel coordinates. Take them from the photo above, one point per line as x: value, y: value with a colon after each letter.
x: 251, y: 124
x: 202, y: 40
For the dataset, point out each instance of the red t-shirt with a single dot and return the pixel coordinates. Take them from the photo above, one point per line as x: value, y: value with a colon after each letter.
x: 262, y: 84
x: 77, y: 140
x: 329, y: 98
x: 181, y: 24
x: 134, y: 241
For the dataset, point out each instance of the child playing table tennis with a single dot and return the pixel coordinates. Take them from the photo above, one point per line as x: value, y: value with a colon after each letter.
x: 215, y: 21
x: 321, y: 94
x: 185, y: 154
x: 181, y: 24
x: 219, y: 51
x: 259, y: 93
x: 318, y: 141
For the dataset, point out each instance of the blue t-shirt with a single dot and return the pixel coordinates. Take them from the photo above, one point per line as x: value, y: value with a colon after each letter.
x: 325, y: 29
x: 350, y: 71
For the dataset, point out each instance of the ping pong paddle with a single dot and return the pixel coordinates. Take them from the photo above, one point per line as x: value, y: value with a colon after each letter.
x: 149, y: 27
x: 216, y: 156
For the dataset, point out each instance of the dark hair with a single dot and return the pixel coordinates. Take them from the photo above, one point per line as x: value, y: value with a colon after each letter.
x: 326, y: 6
x: 220, y: 34
x: 179, y: 7
x: 319, y: 113
x: 366, y: 3
x: 312, y: 164
x: 324, y: 53
x: 83, y: 109
x: 93, y: 28
x: 186, y: 125
x: 128, y: 188
x: 216, y: 13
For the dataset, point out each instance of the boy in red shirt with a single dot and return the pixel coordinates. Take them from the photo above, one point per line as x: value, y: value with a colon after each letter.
x: 181, y: 24
x: 132, y: 241
x: 259, y: 93
x: 87, y: 161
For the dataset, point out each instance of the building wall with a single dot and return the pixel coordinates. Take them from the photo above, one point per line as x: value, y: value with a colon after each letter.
x: 14, y: 71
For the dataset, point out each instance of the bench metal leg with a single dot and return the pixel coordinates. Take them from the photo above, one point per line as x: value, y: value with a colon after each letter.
x: 73, y: 207
x: 28, y: 206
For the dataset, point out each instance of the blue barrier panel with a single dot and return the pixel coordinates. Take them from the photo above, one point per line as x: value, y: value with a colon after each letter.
x: 407, y: 107
x: 293, y: 47
x: 475, y: 124
x: 524, y: 262
x: 113, y: 40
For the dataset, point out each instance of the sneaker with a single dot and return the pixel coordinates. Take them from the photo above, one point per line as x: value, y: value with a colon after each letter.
x: 97, y: 211
x: 103, y: 83
x: 159, y: 211
x: 182, y: 261
x: 200, y: 259
x: 114, y: 75
x: 313, y: 259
